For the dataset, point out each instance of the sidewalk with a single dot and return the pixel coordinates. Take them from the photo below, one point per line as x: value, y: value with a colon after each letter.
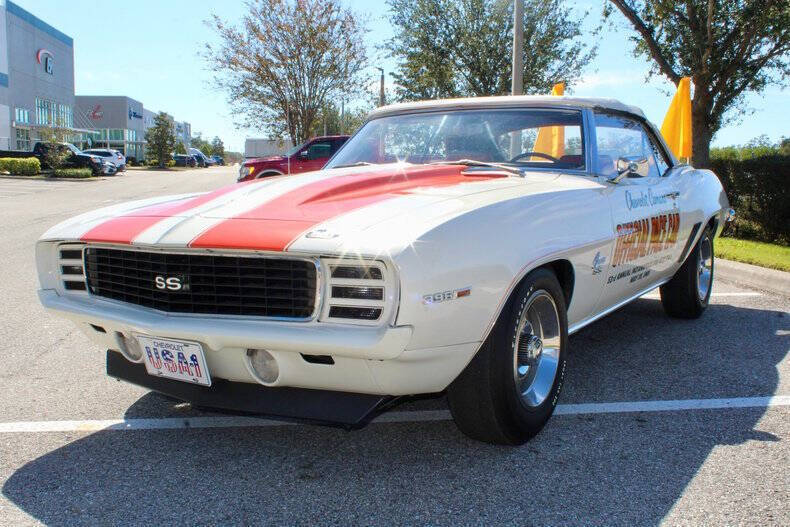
x: 753, y: 276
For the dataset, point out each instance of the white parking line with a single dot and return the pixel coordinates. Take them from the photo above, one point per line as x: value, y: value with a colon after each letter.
x: 178, y: 423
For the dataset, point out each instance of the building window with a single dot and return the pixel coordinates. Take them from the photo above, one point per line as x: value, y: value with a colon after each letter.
x: 131, y: 135
x: 43, y: 112
x: 22, y: 116
x: 116, y: 134
x: 22, y: 139
x: 51, y: 113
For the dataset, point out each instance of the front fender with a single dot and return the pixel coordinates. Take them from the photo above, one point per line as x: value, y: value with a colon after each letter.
x: 489, y: 250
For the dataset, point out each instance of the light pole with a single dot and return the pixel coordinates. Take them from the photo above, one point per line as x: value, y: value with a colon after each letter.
x: 342, y: 115
x: 517, y: 87
x: 381, y: 88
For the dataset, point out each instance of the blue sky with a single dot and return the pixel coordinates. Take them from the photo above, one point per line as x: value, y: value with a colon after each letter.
x: 148, y: 50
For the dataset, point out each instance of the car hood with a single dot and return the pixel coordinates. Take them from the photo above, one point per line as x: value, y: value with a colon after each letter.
x: 325, y: 210
x: 270, y: 159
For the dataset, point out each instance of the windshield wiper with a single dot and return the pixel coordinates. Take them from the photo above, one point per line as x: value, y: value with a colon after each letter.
x: 476, y: 163
x: 357, y: 164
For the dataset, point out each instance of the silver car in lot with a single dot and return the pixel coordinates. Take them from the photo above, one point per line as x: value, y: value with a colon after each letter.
x: 110, y: 155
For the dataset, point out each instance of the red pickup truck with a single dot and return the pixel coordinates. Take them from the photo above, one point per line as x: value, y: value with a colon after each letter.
x: 311, y: 155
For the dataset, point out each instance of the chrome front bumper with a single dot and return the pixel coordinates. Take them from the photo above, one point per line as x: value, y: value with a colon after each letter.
x: 367, y: 342
x: 367, y: 359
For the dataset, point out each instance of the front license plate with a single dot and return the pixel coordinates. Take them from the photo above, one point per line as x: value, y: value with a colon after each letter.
x: 175, y: 359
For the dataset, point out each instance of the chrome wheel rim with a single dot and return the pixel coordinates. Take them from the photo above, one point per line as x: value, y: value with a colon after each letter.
x: 705, y: 267
x: 537, y: 353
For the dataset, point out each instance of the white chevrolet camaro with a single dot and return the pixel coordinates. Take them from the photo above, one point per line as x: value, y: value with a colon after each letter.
x: 449, y: 246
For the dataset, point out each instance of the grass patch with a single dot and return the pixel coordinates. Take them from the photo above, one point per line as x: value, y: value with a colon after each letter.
x: 756, y: 253
x: 75, y: 173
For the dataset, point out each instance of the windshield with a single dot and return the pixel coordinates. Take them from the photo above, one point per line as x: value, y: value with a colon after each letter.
x: 536, y: 138
x: 73, y: 148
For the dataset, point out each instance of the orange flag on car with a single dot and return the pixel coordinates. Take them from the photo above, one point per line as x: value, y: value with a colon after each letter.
x: 551, y: 139
x: 676, y: 127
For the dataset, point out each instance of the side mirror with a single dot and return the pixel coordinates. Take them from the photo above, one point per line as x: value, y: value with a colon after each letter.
x: 627, y: 167
x: 304, y: 154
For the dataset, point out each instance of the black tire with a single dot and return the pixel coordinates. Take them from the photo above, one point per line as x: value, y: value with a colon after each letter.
x: 681, y: 296
x: 484, y: 400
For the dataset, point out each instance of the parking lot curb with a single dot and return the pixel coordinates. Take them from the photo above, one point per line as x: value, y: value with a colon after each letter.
x: 45, y: 178
x: 754, y: 276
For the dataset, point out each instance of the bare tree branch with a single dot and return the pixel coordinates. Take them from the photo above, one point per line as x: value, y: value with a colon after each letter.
x: 650, y: 41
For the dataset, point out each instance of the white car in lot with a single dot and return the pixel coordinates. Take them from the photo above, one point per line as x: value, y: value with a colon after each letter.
x: 111, y: 156
x: 447, y: 246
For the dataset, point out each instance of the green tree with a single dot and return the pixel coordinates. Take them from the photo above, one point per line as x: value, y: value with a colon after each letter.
x: 451, y: 48
x: 55, y: 155
x: 330, y: 115
x: 217, y: 147
x: 727, y: 47
x: 180, y: 148
x: 201, y: 144
x: 286, y: 59
x: 161, y: 139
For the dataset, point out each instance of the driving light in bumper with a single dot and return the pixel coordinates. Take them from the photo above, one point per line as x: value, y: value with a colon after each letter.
x: 262, y: 366
x: 129, y: 347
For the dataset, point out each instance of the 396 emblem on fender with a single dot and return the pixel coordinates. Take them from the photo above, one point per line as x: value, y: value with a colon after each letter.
x: 444, y: 296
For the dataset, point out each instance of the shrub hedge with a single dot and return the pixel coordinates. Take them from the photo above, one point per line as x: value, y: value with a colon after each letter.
x: 154, y: 163
x: 759, y: 190
x: 20, y: 166
x: 76, y: 173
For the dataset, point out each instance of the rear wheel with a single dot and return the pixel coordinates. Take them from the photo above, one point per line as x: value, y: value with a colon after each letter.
x: 509, y: 390
x: 688, y: 293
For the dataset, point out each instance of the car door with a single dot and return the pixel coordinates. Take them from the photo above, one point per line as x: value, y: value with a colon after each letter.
x: 644, y: 203
x: 313, y: 156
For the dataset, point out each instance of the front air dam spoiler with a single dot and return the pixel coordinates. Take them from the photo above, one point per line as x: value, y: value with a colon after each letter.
x: 347, y: 410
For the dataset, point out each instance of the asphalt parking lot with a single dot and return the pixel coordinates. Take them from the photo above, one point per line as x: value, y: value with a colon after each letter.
x: 79, y: 448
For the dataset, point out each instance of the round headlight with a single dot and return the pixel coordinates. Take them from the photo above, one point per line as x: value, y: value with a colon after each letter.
x: 262, y: 365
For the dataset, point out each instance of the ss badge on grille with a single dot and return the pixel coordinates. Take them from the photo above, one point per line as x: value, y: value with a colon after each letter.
x: 172, y: 283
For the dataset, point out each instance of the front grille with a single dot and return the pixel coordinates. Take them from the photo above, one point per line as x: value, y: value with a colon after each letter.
x: 209, y: 284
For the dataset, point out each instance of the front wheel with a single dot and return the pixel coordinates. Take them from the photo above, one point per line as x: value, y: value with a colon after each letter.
x: 509, y: 390
x: 688, y: 293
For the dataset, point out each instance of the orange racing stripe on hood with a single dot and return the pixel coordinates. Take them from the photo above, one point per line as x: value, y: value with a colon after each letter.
x: 276, y: 224
x: 124, y: 229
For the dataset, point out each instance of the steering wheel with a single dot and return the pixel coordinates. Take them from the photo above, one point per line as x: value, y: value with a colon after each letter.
x: 538, y: 154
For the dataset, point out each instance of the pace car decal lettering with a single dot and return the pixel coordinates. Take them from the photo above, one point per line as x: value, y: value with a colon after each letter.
x: 635, y: 201
x: 644, y: 237
x: 638, y: 272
